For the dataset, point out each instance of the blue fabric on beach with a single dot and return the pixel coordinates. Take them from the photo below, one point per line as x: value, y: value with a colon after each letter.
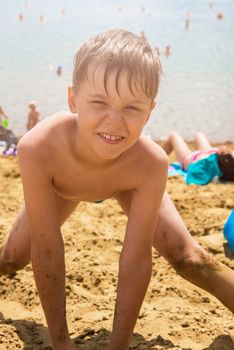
x: 199, y: 173
x: 175, y: 169
x: 203, y: 171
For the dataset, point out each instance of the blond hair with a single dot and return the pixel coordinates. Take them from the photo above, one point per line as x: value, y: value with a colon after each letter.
x: 120, y: 50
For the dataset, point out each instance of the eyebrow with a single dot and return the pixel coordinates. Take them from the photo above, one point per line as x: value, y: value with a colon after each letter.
x: 106, y: 96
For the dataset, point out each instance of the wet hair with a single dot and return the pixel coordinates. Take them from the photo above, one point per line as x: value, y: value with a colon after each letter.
x: 120, y: 50
x: 226, y: 165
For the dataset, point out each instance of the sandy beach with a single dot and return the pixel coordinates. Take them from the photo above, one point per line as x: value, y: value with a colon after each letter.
x: 175, y: 315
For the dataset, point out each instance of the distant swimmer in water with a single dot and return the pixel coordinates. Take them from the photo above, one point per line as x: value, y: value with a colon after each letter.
x: 21, y: 17
x: 187, y: 23
x: 187, y: 20
x: 167, y: 52
x: 59, y: 71
x: 220, y: 15
x: 158, y: 50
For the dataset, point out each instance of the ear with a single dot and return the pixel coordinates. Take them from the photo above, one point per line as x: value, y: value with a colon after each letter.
x: 153, y: 105
x: 71, y: 99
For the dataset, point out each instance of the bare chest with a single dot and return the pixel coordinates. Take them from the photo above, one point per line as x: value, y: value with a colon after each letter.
x: 78, y: 183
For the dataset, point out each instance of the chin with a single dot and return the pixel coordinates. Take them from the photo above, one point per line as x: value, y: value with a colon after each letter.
x: 109, y: 155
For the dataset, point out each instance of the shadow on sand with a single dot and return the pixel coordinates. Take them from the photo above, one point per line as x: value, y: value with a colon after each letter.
x: 99, y: 340
x: 36, y: 337
x: 227, y: 251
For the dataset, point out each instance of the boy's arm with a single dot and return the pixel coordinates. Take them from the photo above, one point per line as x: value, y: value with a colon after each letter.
x: 135, y: 264
x: 47, y: 249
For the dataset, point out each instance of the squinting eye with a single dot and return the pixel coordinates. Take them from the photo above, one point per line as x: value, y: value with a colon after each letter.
x: 98, y: 103
x: 135, y: 109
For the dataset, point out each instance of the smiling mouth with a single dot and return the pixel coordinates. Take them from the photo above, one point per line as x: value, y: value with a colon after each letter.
x: 111, y: 138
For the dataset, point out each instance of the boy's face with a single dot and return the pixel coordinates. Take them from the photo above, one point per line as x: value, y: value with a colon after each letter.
x: 108, y: 122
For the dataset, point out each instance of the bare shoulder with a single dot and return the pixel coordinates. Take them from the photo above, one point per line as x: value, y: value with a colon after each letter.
x: 146, y: 176
x: 147, y: 166
x: 151, y: 157
x: 47, y: 137
x: 48, y: 131
x: 151, y: 147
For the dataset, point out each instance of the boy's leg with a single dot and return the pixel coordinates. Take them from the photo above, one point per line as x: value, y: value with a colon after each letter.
x: 176, y: 143
x: 189, y: 259
x: 15, y: 253
x: 173, y: 241
x: 202, y: 142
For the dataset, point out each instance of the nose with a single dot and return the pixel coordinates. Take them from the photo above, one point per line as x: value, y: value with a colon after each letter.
x: 114, y: 118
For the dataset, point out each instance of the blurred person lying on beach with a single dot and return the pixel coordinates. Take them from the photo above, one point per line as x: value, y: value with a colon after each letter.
x: 203, y: 164
x: 6, y: 135
x: 33, y: 115
x: 10, y: 139
x: 95, y: 152
x: 3, y: 118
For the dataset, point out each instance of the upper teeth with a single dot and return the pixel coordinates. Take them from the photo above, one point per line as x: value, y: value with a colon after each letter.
x: 111, y: 137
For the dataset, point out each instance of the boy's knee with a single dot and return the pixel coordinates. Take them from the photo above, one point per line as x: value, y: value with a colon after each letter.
x: 9, y: 268
x: 9, y: 265
x: 196, y: 265
x: 186, y: 266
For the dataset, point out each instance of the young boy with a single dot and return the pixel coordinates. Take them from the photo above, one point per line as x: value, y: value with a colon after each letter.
x: 33, y: 115
x: 96, y: 152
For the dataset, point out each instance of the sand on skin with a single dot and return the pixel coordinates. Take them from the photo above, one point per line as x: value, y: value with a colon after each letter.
x: 175, y: 315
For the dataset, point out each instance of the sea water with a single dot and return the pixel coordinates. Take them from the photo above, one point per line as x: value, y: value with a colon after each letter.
x: 197, y: 89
